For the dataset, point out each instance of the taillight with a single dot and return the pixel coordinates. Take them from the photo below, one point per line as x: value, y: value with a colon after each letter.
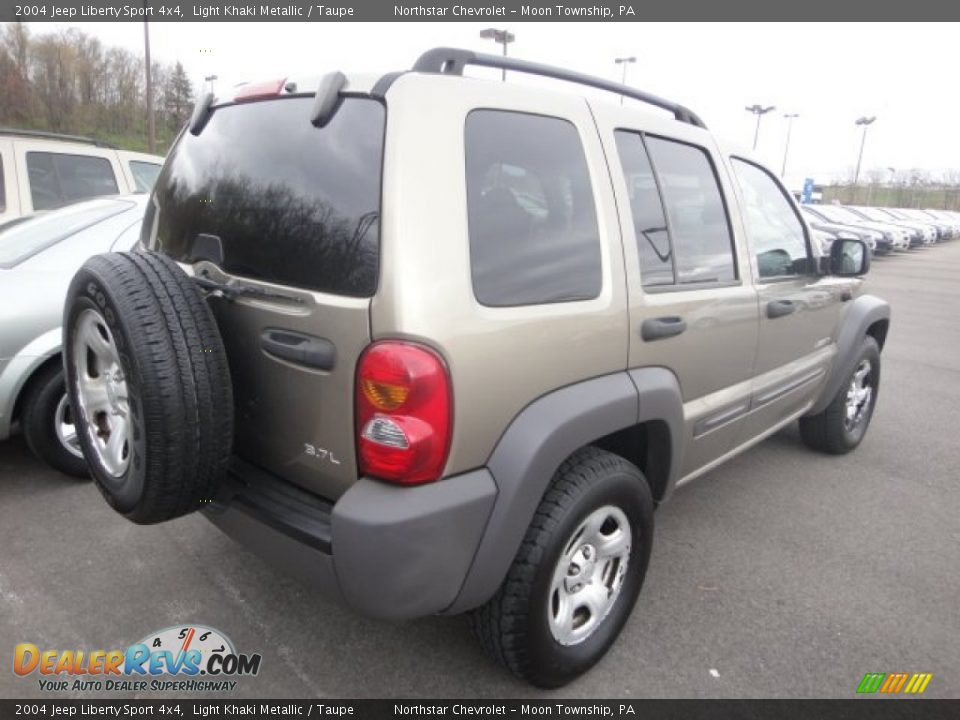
x: 404, y: 413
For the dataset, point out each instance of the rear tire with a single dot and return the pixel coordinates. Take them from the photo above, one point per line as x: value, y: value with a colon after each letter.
x: 148, y: 377
x: 841, y: 426
x: 45, y: 410
x: 525, y: 627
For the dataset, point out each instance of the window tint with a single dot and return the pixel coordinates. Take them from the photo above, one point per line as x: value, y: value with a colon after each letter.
x: 144, y: 175
x: 532, y: 219
x: 698, y: 218
x: 57, y: 179
x: 775, y: 231
x: 284, y: 201
x: 649, y: 222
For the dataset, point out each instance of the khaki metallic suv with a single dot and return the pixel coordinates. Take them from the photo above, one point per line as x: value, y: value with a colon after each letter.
x: 441, y: 345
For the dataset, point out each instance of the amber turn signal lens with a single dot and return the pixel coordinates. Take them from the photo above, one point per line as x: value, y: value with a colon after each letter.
x: 385, y: 397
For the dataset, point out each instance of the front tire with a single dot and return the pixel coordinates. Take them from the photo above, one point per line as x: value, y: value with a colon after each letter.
x: 841, y: 426
x: 47, y: 422
x: 577, y: 574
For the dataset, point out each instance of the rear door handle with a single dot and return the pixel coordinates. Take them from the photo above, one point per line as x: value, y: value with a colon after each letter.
x: 779, y: 308
x: 662, y: 327
x: 299, y: 348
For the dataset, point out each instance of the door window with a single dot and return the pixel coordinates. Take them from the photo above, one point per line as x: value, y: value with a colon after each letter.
x: 679, y: 216
x: 58, y: 179
x: 776, y: 233
x: 144, y: 175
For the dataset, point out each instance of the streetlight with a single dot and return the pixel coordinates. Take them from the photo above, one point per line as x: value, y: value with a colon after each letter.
x: 866, y: 122
x: 759, y: 111
x: 786, y: 148
x: 624, y: 61
x: 504, y: 37
x: 210, y: 79
x: 893, y: 172
x: 151, y: 120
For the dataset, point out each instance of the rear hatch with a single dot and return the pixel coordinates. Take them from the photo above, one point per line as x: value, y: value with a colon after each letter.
x: 287, y: 215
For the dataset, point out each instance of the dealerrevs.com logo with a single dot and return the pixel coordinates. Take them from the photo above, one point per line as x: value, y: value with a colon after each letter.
x: 176, y: 659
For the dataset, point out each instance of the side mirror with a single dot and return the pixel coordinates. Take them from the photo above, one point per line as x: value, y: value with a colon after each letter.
x: 849, y: 258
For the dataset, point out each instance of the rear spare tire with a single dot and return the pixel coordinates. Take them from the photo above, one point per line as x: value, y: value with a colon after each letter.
x: 148, y: 379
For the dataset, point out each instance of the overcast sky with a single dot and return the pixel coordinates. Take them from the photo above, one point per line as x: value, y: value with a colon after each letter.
x: 905, y: 74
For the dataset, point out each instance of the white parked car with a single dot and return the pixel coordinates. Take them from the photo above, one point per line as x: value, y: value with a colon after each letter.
x: 38, y: 257
x: 45, y: 171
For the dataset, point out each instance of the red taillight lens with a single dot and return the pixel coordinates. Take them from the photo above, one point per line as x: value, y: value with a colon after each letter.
x: 404, y: 413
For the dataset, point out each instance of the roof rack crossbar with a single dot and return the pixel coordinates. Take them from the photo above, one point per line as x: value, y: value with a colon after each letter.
x: 452, y: 61
x: 56, y: 136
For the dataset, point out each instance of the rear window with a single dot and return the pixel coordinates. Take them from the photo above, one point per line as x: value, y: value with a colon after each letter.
x: 58, y: 179
x: 285, y: 201
x: 25, y: 237
x: 144, y: 175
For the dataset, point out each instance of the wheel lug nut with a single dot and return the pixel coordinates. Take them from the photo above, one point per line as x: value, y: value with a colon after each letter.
x: 586, y: 553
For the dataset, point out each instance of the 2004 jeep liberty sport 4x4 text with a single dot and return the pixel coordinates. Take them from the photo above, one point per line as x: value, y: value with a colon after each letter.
x: 440, y: 344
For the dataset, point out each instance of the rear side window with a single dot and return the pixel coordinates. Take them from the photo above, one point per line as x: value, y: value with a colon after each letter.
x: 144, y: 175
x: 58, y: 179
x: 531, y: 213
x: 698, y: 219
x: 283, y: 201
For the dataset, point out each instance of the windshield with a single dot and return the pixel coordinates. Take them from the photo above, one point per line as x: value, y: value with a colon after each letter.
x: 835, y: 213
x: 28, y: 236
x: 878, y: 215
x: 267, y: 195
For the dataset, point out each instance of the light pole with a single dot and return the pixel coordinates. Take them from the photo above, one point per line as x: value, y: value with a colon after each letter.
x: 624, y: 61
x: 151, y: 122
x: 893, y: 172
x: 210, y: 79
x: 786, y: 148
x: 759, y: 111
x: 866, y: 122
x: 504, y: 37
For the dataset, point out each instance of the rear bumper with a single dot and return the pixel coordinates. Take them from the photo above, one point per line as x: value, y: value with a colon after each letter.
x: 386, y: 551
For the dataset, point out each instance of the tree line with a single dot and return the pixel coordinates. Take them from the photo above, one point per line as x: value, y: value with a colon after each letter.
x: 70, y: 82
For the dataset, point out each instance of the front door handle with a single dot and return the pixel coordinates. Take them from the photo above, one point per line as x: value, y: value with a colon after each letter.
x: 779, y: 308
x: 662, y: 327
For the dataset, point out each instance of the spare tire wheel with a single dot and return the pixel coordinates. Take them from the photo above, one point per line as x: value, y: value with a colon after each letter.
x: 148, y: 378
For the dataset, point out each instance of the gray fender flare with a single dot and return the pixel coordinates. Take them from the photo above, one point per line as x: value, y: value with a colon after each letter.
x: 540, y: 438
x: 860, y: 315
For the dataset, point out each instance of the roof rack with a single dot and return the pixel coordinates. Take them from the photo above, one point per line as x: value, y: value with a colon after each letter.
x: 56, y: 136
x: 452, y: 61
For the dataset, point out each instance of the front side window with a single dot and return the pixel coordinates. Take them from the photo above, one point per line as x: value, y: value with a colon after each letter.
x: 699, y: 229
x: 532, y: 220
x: 58, y: 179
x: 649, y: 222
x: 775, y: 231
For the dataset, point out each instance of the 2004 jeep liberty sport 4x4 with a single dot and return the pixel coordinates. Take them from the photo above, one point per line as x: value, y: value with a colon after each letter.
x: 441, y: 344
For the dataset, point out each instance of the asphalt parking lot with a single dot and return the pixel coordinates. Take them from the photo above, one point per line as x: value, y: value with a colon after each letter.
x: 781, y: 574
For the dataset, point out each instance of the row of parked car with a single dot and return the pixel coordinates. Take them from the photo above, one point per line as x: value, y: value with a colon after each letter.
x: 885, y: 230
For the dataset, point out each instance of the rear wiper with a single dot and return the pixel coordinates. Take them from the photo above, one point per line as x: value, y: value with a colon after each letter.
x: 232, y: 292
